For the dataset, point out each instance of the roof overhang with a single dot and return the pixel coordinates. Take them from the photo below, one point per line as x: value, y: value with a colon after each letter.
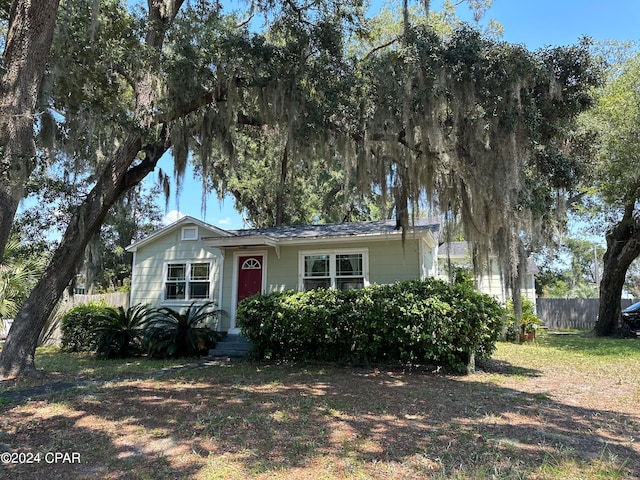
x: 244, y: 241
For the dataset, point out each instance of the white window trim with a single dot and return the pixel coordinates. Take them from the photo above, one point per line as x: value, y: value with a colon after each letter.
x: 184, y: 301
x: 332, y: 263
x: 189, y: 238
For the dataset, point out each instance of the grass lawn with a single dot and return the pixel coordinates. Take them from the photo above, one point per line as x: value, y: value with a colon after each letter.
x: 565, y: 407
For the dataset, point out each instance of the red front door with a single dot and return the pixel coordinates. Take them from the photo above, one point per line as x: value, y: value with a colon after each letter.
x: 249, y: 276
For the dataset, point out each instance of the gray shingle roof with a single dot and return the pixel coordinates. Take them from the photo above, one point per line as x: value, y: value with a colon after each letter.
x: 453, y: 249
x: 339, y: 229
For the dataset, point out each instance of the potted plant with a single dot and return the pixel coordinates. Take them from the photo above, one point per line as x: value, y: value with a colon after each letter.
x: 529, y: 323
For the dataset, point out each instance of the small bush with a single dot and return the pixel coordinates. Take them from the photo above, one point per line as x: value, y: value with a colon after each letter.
x: 416, y: 322
x: 120, y: 332
x: 78, y: 327
x: 172, y: 333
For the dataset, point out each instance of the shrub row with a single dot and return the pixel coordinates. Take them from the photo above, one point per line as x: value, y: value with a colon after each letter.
x: 116, y: 332
x: 417, y: 322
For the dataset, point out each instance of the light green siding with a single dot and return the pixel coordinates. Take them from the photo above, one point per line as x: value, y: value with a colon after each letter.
x: 387, y: 260
x: 388, y: 263
x: 149, y: 263
x: 227, y: 283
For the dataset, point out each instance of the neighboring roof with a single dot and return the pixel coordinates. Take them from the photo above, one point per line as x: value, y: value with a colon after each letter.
x: 461, y: 250
x: 454, y: 250
x: 169, y: 228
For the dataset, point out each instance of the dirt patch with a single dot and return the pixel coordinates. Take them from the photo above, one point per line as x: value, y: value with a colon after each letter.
x: 248, y: 420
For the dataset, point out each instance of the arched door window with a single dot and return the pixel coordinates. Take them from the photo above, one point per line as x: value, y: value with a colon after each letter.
x: 251, y: 264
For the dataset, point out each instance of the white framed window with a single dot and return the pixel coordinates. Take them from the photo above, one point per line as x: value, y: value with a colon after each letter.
x: 340, y: 269
x: 188, y: 281
x: 189, y: 233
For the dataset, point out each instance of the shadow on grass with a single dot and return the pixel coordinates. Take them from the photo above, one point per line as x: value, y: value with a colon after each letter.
x: 501, y: 367
x: 250, y: 420
x: 590, y: 343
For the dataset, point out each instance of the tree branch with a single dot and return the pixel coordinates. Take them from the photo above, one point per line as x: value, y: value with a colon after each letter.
x: 244, y: 22
x: 380, y: 47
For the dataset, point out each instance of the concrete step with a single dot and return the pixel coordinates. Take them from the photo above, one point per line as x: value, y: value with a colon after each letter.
x: 231, y: 346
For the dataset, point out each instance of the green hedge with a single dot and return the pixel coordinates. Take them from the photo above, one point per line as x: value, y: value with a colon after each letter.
x: 115, y: 332
x: 418, y: 322
x: 78, y: 327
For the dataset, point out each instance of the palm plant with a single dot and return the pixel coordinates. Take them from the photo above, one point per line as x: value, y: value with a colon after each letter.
x: 18, y: 275
x: 172, y: 333
x: 120, y: 332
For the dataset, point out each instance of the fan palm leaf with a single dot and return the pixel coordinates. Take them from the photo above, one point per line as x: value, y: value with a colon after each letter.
x: 178, y: 334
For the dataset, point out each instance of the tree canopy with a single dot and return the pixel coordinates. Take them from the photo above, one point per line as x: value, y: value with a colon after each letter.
x: 615, y: 183
x: 475, y: 127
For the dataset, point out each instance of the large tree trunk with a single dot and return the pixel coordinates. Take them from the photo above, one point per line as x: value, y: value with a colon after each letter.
x: 17, y: 356
x: 623, y: 247
x: 29, y: 37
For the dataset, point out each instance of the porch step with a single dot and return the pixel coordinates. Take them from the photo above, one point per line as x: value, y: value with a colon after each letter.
x: 235, y: 346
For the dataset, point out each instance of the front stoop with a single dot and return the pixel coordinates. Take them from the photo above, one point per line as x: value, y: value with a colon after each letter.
x: 235, y: 346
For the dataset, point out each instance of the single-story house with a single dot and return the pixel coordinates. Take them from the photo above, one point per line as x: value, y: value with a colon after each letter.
x: 191, y: 260
x: 490, y: 280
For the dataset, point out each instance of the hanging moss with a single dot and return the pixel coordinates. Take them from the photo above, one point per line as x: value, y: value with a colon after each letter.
x: 474, y: 126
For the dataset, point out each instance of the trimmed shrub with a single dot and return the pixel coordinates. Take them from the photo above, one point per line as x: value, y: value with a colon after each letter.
x: 78, y: 327
x: 417, y: 322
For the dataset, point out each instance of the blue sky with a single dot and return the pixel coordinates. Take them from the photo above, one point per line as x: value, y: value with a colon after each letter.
x: 535, y: 24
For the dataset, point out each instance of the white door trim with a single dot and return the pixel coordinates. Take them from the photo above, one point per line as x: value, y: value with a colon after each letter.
x: 233, y: 329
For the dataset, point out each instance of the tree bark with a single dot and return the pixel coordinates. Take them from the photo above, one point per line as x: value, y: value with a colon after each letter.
x: 17, y: 355
x: 121, y: 173
x: 31, y: 26
x: 623, y: 247
x: 282, y: 186
x: 516, y: 298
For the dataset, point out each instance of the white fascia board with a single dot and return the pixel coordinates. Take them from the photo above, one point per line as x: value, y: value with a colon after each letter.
x: 429, y: 239
x: 169, y: 228
x: 237, y: 241
x: 266, y: 240
x: 353, y: 238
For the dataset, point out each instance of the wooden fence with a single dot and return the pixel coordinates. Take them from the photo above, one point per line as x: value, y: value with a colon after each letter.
x: 66, y: 304
x: 571, y: 313
x: 120, y: 299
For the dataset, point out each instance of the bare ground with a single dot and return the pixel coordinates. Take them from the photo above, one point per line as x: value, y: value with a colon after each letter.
x: 246, y: 420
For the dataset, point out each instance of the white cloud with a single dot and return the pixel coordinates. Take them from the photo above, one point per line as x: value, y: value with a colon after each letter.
x: 172, y: 216
x: 224, y: 221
